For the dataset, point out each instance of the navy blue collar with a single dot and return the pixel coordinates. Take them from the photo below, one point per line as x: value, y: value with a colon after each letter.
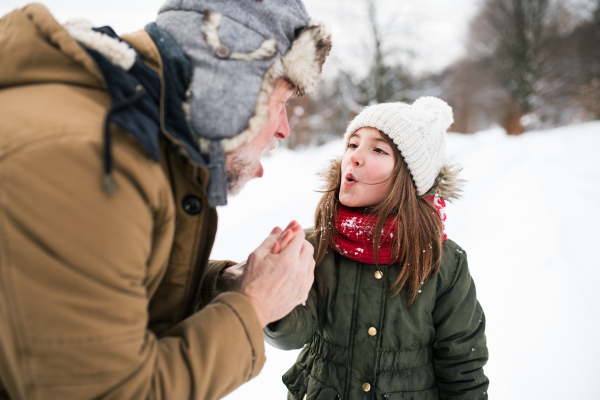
x: 140, y: 116
x: 177, y: 74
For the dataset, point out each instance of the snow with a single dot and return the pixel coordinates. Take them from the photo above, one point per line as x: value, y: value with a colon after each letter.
x: 528, y: 221
x: 351, y: 223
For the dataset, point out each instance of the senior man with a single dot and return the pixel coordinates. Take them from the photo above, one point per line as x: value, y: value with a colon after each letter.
x: 114, y: 153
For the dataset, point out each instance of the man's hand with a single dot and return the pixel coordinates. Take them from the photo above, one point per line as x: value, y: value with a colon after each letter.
x: 231, y: 278
x: 278, y: 274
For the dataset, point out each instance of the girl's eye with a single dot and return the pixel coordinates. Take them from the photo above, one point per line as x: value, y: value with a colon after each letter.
x: 352, y: 145
x: 381, y: 151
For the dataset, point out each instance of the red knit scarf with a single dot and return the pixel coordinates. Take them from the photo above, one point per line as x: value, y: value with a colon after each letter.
x: 355, y: 233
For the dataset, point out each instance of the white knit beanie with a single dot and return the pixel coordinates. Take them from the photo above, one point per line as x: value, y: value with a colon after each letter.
x: 418, y: 130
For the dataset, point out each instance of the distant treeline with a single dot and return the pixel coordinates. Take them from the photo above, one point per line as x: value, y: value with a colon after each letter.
x: 530, y: 64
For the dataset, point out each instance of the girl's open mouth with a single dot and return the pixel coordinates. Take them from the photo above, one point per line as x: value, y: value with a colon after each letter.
x: 350, y: 179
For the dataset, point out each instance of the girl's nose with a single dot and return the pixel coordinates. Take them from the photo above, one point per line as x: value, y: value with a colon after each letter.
x: 356, y: 157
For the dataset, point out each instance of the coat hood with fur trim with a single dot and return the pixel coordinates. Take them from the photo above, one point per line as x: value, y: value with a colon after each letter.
x: 237, y: 51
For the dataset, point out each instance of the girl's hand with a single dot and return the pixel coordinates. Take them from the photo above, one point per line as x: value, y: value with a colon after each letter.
x: 286, y: 237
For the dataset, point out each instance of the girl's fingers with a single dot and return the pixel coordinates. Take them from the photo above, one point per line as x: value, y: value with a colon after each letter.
x: 266, y: 246
x: 276, y: 248
x: 294, y: 246
x: 287, y: 235
x: 286, y: 238
x: 295, y: 226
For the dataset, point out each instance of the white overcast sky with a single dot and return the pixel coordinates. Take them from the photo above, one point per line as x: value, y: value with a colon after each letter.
x: 433, y: 31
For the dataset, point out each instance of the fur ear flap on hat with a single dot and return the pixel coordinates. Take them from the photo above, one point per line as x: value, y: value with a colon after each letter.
x: 304, y: 61
x: 239, y: 50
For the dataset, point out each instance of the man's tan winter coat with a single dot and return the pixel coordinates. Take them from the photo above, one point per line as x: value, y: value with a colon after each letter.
x: 103, y: 296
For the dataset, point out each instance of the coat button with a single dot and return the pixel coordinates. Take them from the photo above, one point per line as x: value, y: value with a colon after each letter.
x: 223, y: 51
x: 366, y: 387
x: 372, y: 331
x: 378, y: 274
x: 192, y: 205
x: 304, y: 398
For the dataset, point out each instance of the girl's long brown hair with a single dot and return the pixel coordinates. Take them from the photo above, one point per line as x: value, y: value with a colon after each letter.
x: 419, y: 227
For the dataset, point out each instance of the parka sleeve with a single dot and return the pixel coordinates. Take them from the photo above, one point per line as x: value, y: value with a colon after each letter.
x: 212, y: 282
x: 296, y: 329
x: 459, y: 347
x: 77, y: 269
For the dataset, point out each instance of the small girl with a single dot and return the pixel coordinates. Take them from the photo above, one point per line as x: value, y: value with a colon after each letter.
x: 393, y: 312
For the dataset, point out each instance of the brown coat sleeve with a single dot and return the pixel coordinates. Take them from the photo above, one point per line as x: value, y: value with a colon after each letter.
x: 211, y: 285
x: 77, y: 269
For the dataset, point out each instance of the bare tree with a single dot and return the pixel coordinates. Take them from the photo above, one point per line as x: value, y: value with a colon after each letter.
x: 514, y: 34
x: 589, y: 51
x: 387, y: 78
x: 338, y: 101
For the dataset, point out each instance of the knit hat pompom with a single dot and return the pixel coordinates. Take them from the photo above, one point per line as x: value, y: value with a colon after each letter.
x: 437, y: 105
x: 418, y: 130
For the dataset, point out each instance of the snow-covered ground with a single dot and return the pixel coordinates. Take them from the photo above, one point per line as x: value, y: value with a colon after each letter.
x: 529, y: 222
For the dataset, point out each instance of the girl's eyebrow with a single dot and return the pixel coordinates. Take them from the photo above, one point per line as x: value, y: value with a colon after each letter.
x: 354, y: 134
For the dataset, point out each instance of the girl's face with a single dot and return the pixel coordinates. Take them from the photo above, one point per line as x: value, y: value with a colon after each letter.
x: 367, y: 163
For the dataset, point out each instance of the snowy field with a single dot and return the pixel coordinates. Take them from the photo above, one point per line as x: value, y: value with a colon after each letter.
x: 529, y: 222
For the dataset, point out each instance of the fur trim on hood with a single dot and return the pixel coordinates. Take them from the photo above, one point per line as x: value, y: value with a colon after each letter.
x: 118, y: 52
x: 447, y: 184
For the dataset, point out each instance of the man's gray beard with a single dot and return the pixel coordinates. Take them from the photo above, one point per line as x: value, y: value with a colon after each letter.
x: 241, y: 164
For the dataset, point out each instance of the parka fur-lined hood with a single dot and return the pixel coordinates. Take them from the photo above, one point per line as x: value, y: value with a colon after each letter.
x: 237, y: 52
x: 447, y: 185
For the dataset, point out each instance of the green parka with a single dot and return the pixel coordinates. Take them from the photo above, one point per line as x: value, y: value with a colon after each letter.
x: 362, y: 343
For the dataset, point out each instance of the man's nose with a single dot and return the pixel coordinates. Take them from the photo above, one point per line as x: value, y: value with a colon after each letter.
x: 283, y: 130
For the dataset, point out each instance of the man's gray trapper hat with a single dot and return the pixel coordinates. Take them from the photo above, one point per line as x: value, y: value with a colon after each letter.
x: 238, y: 50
